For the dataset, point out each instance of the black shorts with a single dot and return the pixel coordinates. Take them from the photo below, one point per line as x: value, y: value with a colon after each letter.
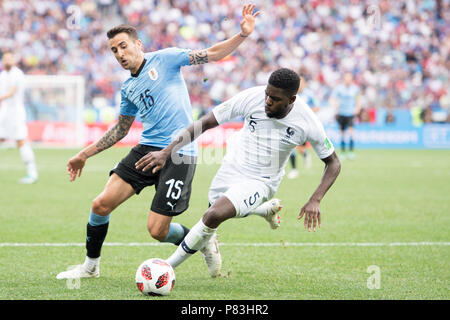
x: 172, y: 183
x: 345, y: 121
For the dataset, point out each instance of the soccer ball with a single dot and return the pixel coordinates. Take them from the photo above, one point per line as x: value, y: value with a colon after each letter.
x: 155, y: 277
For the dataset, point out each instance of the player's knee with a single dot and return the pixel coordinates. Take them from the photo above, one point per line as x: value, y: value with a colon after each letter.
x: 101, y: 207
x: 213, y: 217
x: 157, y: 232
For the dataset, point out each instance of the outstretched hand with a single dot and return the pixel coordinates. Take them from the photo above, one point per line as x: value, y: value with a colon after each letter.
x: 155, y: 160
x: 248, y: 19
x: 311, y: 211
x: 75, y: 166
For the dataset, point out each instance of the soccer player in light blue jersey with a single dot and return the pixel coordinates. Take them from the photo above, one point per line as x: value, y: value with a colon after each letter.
x: 157, y: 92
x: 345, y: 98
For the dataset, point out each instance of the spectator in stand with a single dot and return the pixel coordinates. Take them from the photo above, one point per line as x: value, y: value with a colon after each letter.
x: 398, y: 53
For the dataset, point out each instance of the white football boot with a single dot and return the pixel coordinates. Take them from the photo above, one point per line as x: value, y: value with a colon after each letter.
x: 272, y: 217
x: 293, y: 174
x: 79, y: 271
x: 212, y: 257
x: 28, y: 180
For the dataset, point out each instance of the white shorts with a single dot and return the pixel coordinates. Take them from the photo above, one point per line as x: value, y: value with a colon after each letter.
x: 246, y: 194
x: 11, y: 127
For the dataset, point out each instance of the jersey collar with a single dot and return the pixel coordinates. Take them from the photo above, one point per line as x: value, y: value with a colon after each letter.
x: 140, y: 69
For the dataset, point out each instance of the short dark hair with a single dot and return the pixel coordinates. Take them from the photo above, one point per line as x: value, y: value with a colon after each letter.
x: 285, y: 79
x: 123, y: 28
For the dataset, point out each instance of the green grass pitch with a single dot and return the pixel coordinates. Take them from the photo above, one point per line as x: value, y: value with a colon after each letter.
x: 388, y: 208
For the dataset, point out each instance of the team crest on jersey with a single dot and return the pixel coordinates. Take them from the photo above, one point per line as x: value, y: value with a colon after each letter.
x: 153, y: 74
x: 289, y: 132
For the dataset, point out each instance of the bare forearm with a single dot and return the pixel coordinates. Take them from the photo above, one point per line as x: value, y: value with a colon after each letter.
x: 224, y: 48
x: 192, y: 132
x: 184, y: 138
x: 216, y: 52
x: 331, y: 171
x: 110, y: 138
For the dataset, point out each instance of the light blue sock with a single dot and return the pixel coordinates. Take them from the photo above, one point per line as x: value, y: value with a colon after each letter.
x: 176, y: 233
x: 97, y: 220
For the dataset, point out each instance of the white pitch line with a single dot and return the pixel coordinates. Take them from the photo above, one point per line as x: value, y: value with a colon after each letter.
x: 238, y: 244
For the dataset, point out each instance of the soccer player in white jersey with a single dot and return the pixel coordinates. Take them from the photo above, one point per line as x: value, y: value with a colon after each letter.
x: 157, y: 91
x: 12, y: 114
x: 275, y: 123
x: 346, y: 99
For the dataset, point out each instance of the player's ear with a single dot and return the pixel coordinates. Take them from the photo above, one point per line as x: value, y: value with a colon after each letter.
x: 302, y: 85
x: 292, y: 99
x: 139, y: 44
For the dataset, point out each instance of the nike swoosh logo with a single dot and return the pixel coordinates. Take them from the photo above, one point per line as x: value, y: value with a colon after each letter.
x: 251, y: 117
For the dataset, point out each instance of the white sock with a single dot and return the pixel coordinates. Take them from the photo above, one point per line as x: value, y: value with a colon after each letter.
x: 27, y: 155
x: 262, y: 210
x: 91, y: 263
x: 195, y: 240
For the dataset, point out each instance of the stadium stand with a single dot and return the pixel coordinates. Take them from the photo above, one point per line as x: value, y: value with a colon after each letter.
x: 398, y: 50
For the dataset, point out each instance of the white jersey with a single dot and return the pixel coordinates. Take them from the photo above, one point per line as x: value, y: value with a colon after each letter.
x: 262, y: 147
x: 13, y: 106
x: 12, y: 110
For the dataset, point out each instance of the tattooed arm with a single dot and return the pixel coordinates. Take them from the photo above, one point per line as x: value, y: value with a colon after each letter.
x: 224, y: 48
x: 110, y: 138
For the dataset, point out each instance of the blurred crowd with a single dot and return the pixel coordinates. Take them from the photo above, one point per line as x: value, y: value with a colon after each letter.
x: 398, y: 51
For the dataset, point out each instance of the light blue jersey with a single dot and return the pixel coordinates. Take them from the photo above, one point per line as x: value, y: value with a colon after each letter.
x: 158, y: 92
x: 308, y: 96
x: 346, y: 98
